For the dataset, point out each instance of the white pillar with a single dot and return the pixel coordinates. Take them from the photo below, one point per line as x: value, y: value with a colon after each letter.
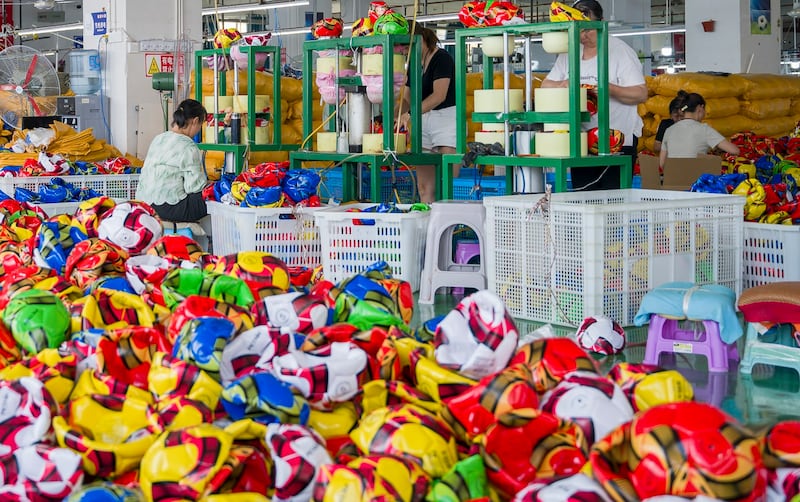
x: 732, y: 47
x: 135, y: 109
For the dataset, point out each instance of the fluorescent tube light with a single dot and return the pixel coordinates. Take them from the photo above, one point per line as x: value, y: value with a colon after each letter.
x: 653, y: 31
x: 234, y: 9
x: 50, y: 29
x: 435, y: 17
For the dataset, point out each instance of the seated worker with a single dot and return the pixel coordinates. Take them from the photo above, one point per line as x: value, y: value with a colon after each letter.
x: 173, y: 176
x: 674, y: 116
x: 689, y: 137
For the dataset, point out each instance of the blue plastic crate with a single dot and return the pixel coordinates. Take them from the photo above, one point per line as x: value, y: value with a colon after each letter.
x: 406, y: 186
x: 464, y: 188
x: 330, y: 183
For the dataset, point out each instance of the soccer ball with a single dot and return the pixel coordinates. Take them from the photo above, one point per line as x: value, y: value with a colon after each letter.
x: 41, y: 472
x: 478, y: 337
x: 105, y: 491
x: 550, y: 359
x: 332, y: 373
x: 391, y: 23
x: 372, y: 478
x: 253, y: 350
x: 577, y: 488
x: 110, y: 433
x: 263, y: 272
x: 225, y: 37
x: 684, y: 449
x: 38, y: 319
x: 133, y: 226
x: 615, y: 141
x: 181, y: 463
x: 177, y: 249
x: 53, y: 242
x: 291, y: 313
x: 27, y: 408
x: 526, y: 444
x: 297, y: 453
x: 646, y: 386
x: 88, y: 215
x: 601, y: 334
x: 594, y: 402
x: 195, y: 306
x: 362, y: 27
x: 762, y: 22
x: 411, y: 432
x: 201, y: 341
x: 264, y: 398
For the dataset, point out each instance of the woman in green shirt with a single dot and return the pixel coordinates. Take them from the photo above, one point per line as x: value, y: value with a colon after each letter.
x: 173, y: 177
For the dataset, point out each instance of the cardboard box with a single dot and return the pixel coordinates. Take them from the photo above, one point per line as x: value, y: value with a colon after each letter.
x: 679, y: 174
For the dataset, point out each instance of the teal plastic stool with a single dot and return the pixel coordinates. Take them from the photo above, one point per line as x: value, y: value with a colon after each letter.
x: 757, y: 351
x: 773, y: 303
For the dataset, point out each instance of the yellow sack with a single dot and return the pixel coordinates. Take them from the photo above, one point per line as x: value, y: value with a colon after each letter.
x: 776, y: 126
x: 767, y: 86
x: 728, y: 126
x: 709, y: 86
x: 715, y: 107
x: 765, y: 108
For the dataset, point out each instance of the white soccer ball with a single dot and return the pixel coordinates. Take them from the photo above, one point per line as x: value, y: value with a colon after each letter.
x: 478, y: 337
x: 762, y: 22
x: 297, y: 453
x: 131, y: 225
x: 575, y: 488
x: 601, y: 334
x: 592, y: 401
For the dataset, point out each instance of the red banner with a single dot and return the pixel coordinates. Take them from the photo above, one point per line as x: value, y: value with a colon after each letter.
x: 7, y: 25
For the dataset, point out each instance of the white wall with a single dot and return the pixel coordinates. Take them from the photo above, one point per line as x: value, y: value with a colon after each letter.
x: 730, y: 47
x: 136, y: 116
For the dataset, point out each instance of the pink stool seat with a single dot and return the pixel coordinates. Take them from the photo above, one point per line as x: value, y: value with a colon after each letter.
x: 666, y: 335
x: 465, y: 251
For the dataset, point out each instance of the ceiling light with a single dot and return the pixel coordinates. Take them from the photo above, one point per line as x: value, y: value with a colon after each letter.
x: 653, y: 31
x: 666, y: 51
x: 234, y: 9
x: 50, y: 29
x: 436, y: 17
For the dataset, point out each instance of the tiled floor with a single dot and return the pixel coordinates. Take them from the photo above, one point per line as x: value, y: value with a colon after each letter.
x: 770, y: 394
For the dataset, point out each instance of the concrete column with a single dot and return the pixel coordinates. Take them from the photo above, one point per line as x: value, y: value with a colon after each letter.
x: 732, y: 46
x: 135, y: 113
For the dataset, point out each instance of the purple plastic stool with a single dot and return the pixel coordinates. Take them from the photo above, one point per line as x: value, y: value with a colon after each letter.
x: 465, y: 251
x: 665, y: 335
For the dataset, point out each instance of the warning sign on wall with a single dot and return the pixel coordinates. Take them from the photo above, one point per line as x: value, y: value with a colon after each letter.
x: 155, y: 62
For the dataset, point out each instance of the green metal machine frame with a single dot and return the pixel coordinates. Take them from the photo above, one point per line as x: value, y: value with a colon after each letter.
x: 274, y: 115
x: 573, y: 117
x: 349, y: 162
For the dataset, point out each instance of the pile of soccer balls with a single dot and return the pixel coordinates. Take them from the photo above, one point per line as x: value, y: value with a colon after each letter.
x: 269, y: 184
x: 135, y: 366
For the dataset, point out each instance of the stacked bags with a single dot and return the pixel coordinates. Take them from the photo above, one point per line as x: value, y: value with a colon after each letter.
x: 763, y: 104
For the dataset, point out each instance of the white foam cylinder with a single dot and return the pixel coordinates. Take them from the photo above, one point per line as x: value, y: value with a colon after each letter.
x: 549, y: 127
x: 491, y: 100
x: 240, y: 103
x: 493, y: 46
x: 326, y: 141
x: 491, y: 126
x: 528, y: 179
x: 328, y: 65
x: 555, y: 99
x: 225, y: 102
x: 491, y: 137
x: 555, y: 42
x: 373, y: 143
x: 556, y: 144
x: 372, y: 64
x: 261, y: 134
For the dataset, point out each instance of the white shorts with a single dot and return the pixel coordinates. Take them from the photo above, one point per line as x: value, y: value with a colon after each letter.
x: 439, y: 128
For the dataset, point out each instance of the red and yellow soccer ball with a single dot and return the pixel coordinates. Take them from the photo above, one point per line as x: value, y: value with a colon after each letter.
x: 684, y: 449
x: 363, y: 27
x: 615, y: 141
x: 88, y: 215
x: 411, y: 432
x: 225, y: 37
